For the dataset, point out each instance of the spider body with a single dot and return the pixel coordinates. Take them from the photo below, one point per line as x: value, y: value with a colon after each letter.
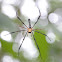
x: 29, y: 30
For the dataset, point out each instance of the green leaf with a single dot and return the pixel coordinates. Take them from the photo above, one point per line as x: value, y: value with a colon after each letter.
x: 43, y: 45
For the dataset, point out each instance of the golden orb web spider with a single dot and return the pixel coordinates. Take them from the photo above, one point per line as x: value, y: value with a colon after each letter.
x: 29, y: 30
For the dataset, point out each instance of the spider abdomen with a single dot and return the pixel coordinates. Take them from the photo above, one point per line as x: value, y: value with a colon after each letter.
x: 29, y: 30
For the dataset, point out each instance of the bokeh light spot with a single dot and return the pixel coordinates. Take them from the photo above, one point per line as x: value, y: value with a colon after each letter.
x: 53, y: 18
x: 51, y: 37
x: 6, y: 36
x: 30, y: 10
x: 9, y: 10
x: 7, y: 59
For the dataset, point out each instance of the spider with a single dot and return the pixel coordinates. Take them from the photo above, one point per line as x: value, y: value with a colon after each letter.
x: 29, y: 30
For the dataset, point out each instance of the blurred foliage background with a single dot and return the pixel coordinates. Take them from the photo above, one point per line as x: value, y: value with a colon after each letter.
x: 50, y: 22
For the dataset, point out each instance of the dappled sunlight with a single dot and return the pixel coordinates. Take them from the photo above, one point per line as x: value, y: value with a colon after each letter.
x: 5, y: 35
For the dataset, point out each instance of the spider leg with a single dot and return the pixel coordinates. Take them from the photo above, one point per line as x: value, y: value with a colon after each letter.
x: 22, y: 27
x: 21, y: 43
x: 20, y: 19
x: 37, y: 18
x: 43, y: 34
x: 14, y: 32
x: 36, y: 44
